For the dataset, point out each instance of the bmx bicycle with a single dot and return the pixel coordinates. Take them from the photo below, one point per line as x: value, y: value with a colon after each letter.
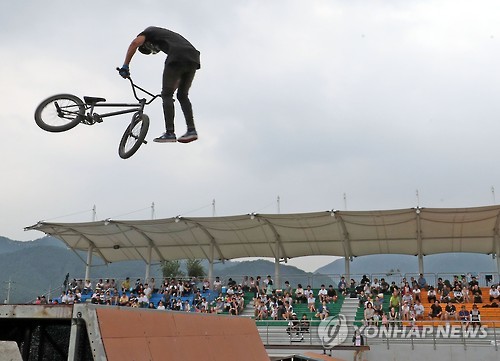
x: 62, y: 112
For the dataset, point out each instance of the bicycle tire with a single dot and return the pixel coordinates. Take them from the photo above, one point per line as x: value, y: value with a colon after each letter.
x: 59, y: 113
x: 134, y: 136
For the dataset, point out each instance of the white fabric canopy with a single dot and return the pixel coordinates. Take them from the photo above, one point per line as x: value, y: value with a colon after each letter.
x: 414, y: 231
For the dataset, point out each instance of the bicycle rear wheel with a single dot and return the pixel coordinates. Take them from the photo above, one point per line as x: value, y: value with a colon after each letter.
x: 134, y: 135
x: 59, y: 113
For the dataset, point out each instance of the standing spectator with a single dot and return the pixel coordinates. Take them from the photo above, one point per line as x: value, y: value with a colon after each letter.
x: 422, y: 282
x: 288, y: 288
x: 384, y: 286
x: 342, y: 286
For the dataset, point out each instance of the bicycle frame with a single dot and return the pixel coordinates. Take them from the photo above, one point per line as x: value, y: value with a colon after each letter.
x: 133, y: 107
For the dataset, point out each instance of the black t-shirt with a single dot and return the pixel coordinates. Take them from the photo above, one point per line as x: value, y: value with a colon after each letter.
x: 179, y: 50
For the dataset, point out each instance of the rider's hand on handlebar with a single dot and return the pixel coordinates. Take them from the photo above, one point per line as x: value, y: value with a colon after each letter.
x: 124, y: 71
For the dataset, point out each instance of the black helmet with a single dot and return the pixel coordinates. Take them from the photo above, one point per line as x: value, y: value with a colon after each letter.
x: 149, y: 48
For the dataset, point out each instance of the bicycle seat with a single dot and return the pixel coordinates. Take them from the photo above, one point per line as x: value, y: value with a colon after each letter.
x: 93, y: 100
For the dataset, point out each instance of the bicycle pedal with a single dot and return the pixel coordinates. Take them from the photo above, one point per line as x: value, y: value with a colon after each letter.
x: 96, y: 118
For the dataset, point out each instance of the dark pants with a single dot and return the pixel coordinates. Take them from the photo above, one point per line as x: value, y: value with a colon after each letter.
x: 177, y: 76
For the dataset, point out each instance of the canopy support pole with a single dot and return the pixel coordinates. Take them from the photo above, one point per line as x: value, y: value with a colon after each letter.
x: 211, y: 262
x: 347, y: 262
x: 419, y: 240
x: 148, y: 264
x: 420, y: 263
x: 89, y: 262
x: 277, y: 284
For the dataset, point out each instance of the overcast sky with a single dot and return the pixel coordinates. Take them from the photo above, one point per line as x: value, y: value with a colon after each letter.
x: 327, y: 104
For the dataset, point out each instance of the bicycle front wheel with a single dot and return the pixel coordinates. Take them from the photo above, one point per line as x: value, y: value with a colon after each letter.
x: 59, y: 113
x: 134, y: 136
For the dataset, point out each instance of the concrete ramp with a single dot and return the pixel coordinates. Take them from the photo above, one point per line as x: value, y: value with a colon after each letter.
x: 136, y: 334
x: 9, y: 351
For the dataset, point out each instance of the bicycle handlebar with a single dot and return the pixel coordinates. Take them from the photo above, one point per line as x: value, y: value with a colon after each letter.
x: 134, y: 86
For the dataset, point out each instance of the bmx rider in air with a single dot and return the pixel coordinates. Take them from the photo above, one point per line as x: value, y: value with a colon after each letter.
x: 183, y: 60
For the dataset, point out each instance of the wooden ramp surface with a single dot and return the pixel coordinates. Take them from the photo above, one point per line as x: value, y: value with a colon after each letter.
x: 141, y: 335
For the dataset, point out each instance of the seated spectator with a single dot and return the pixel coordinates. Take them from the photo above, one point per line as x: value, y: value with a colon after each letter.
x: 299, y: 294
x: 362, y: 297
x: 407, y: 297
x: 261, y: 315
x: 494, y: 293
x: 393, y: 316
x: 416, y: 293
x: 245, y: 284
x: 475, y: 316
x: 99, y: 285
x: 87, y: 288
x: 422, y: 282
x: 331, y: 295
x: 394, y: 301
x: 378, y: 303
x: 323, y: 311
x: 368, y: 314
x: 218, y: 306
x: 477, y: 294
x: 365, y: 280
x: 288, y: 312
x: 311, y: 302
x: 458, y: 296
x: 431, y: 295
x: 445, y: 295
x: 274, y: 311
x: 217, y: 286
x: 419, y: 310
x: 384, y: 319
x: 323, y: 294
x: 436, y: 310
x: 126, y: 285
x: 464, y: 317
x: 293, y: 325
x: 375, y: 287
x: 450, y: 311
x: 124, y: 300
x: 439, y: 286
x: 405, y: 311
x: 304, y: 324
x: 473, y: 282
x: 206, y: 285
x: 161, y: 306
x: 493, y: 304
x: 384, y: 286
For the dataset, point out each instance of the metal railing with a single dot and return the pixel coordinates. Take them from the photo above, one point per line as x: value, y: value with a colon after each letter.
x: 432, y: 333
